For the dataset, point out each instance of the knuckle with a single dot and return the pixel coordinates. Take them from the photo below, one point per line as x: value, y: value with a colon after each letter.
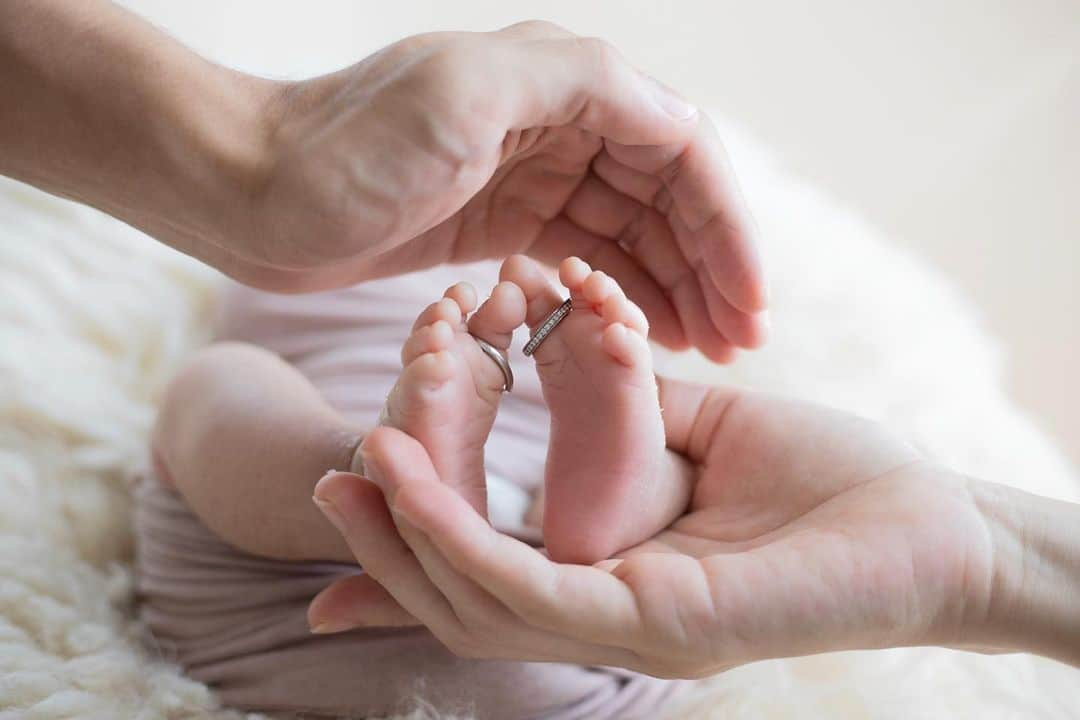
x: 440, y: 105
x: 408, y: 46
x: 543, y: 27
x: 435, y: 69
x: 449, y: 67
x: 420, y: 43
x: 604, y: 56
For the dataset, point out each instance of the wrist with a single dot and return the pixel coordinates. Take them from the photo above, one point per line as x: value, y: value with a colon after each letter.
x: 211, y: 139
x: 1033, y: 599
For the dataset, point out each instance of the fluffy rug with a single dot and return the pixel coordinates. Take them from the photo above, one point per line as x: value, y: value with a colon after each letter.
x: 94, y: 318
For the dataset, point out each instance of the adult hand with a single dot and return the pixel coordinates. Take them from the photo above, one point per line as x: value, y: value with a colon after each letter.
x: 810, y: 530
x: 445, y: 147
x: 453, y: 147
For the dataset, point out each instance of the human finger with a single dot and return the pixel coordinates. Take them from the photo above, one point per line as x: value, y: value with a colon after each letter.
x: 572, y: 600
x: 706, y: 205
x: 356, y: 507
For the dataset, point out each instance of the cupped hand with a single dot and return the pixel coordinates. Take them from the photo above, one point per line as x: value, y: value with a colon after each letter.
x: 454, y: 147
x: 810, y: 530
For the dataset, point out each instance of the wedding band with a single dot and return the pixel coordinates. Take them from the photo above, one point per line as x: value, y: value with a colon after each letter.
x: 500, y: 360
x: 557, y: 316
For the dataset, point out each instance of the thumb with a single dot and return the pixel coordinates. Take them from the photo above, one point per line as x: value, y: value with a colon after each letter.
x: 391, y: 458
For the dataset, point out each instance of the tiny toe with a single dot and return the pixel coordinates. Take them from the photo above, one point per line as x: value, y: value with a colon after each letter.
x: 500, y: 315
x: 464, y: 294
x: 626, y: 346
x: 598, y: 286
x: 620, y: 309
x: 427, y: 339
x: 428, y: 370
x: 541, y: 296
x: 572, y: 273
x: 444, y: 309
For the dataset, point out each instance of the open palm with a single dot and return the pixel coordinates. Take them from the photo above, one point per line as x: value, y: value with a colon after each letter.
x: 809, y: 530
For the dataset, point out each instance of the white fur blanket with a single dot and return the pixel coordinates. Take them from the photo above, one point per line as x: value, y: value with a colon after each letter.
x: 94, y: 318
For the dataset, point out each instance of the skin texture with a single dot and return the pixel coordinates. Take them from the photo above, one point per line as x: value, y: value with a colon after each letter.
x: 618, y: 488
x: 449, y: 391
x: 609, y: 482
x: 243, y: 436
x: 444, y: 147
x: 809, y: 530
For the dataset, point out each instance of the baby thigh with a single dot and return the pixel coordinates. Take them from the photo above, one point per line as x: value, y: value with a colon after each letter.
x: 238, y: 623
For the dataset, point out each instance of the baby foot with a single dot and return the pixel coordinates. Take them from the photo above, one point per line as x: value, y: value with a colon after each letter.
x: 609, y: 481
x: 449, y: 391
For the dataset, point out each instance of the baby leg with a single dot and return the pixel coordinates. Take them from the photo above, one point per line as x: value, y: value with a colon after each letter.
x: 244, y: 437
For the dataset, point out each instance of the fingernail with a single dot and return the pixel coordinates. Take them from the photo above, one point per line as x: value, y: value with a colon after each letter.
x: 329, y: 628
x: 330, y: 511
x: 669, y: 100
x: 323, y: 480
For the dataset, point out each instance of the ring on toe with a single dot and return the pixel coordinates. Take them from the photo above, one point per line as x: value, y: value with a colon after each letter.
x: 557, y: 316
x: 500, y: 360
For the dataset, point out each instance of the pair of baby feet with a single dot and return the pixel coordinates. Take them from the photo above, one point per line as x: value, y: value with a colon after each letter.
x: 608, y: 482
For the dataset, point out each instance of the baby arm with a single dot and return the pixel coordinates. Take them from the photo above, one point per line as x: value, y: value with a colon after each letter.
x: 244, y: 437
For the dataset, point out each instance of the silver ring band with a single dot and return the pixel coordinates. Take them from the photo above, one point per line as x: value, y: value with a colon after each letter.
x: 500, y: 360
x: 557, y: 316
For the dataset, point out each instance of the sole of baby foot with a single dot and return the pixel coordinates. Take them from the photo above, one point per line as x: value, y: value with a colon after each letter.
x: 609, y: 481
x: 448, y: 392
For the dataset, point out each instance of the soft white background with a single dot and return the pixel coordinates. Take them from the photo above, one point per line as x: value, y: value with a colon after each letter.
x: 952, y: 125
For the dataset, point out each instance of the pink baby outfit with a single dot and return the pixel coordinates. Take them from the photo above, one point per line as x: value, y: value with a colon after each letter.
x: 237, y: 621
